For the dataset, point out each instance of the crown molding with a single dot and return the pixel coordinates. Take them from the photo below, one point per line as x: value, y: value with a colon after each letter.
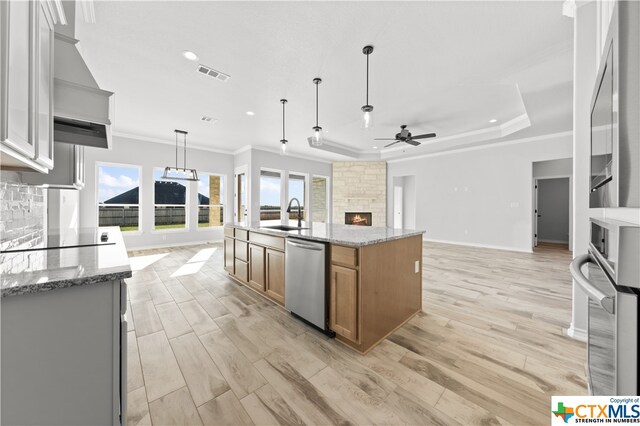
x: 169, y: 142
x: 486, y: 146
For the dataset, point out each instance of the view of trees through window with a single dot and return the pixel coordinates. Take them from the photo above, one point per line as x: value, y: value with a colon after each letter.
x: 211, y: 198
x: 119, y: 196
x: 170, y: 206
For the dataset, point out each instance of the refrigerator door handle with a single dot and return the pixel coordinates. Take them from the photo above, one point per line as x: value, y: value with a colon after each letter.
x: 607, y: 302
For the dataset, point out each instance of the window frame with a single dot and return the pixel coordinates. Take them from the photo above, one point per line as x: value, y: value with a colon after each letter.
x: 328, y: 194
x: 307, y: 192
x: 224, y: 205
x: 140, y: 192
x: 283, y: 189
x: 186, y: 207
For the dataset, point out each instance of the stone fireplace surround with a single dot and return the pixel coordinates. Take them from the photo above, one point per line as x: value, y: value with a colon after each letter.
x: 360, y: 186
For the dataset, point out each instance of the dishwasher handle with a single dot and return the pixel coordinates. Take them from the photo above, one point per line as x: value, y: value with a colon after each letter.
x: 607, y: 302
x: 304, y: 246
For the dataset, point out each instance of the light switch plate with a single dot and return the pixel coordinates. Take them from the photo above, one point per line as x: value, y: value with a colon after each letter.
x: 417, y: 268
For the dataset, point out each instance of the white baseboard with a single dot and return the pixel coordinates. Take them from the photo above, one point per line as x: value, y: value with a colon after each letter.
x: 184, y: 244
x: 577, y: 333
x: 553, y: 241
x: 489, y: 246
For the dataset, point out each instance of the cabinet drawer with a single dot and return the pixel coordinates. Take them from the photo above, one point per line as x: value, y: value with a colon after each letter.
x: 242, y: 270
x: 242, y: 234
x: 228, y: 232
x: 344, y: 255
x: 267, y: 240
x: 242, y: 250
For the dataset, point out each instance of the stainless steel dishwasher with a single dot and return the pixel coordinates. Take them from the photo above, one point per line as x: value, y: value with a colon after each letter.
x: 305, y: 287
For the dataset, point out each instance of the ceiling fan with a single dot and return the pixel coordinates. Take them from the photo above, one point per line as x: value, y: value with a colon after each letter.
x: 406, y: 137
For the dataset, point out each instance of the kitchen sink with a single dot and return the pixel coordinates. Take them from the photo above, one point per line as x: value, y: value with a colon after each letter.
x: 284, y: 228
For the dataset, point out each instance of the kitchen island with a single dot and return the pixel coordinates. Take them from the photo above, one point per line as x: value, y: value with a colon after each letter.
x: 375, y: 274
x: 63, y: 330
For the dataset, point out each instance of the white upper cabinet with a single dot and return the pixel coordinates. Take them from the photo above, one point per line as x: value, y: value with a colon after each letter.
x: 26, y: 89
x: 44, y: 145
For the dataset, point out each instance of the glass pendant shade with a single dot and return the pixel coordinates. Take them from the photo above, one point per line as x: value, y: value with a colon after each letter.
x: 367, y: 116
x: 316, y: 138
x: 177, y: 173
x: 283, y: 147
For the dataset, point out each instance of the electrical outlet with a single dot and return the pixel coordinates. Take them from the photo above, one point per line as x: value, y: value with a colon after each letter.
x: 164, y: 237
x: 417, y: 267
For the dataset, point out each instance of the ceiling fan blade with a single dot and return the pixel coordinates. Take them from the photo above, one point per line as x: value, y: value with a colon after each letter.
x: 385, y: 139
x: 392, y: 143
x: 412, y: 142
x: 425, y: 136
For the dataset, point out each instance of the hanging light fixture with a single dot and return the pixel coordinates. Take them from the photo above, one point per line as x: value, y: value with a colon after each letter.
x: 367, y: 118
x: 316, y: 138
x: 283, y: 141
x: 183, y: 173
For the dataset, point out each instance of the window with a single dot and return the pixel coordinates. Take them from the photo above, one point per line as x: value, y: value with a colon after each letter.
x: 211, y: 199
x: 319, y: 199
x: 119, y: 196
x: 169, y: 202
x: 269, y: 195
x: 297, y: 189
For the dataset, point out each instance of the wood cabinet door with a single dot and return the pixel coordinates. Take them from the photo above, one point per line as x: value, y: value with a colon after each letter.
x: 343, y: 309
x: 275, y: 275
x: 228, y: 255
x: 256, y: 267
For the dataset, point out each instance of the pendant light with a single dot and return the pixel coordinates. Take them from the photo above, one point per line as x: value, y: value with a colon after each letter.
x: 183, y: 173
x: 316, y: 138
x: 283, y: 141
x: 367, y: 118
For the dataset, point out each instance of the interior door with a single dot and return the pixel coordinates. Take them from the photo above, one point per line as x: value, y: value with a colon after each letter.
x: 398, y: 202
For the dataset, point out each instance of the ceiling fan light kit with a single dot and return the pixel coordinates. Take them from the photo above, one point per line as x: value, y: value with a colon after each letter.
x: 176, y: 173
x: 367, y: 117
x: 283, y: 141
x: 316, y: 138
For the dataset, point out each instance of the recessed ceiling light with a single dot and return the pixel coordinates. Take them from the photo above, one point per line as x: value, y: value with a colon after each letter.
x: 375, y: 147
x: 493, y: 120
x: 251, y: 113
x: 190, y: 55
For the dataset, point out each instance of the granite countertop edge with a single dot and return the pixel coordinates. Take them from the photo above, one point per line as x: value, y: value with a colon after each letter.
x: 21, y: 289
x: 295, y: 234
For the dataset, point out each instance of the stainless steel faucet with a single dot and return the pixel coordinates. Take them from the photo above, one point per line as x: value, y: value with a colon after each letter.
x: 299, y: 211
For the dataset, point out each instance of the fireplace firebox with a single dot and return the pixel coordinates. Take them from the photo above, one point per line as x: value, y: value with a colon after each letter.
x: 357, y: 218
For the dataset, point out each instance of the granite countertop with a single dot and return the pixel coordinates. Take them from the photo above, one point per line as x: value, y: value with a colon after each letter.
x: 349, y: 235
x: 43, y: 270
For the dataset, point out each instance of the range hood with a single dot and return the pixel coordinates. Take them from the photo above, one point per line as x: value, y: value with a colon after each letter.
x: 82, y: 113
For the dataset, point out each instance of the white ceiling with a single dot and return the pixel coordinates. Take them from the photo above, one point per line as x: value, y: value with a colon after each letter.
x: 444, y: 67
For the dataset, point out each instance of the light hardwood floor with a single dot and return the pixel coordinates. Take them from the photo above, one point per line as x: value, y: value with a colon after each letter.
x: 488, y: 348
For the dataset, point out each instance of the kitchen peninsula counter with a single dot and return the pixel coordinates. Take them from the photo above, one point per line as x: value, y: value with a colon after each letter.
x: 374, y: 283
x: 43, y: 270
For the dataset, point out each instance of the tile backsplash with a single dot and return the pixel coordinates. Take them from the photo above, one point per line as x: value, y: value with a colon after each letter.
x: 22, y: 220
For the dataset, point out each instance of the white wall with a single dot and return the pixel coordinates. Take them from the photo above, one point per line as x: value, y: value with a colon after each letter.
x: 481, y: 196
x: 150, y: 155
x: 64, y: 209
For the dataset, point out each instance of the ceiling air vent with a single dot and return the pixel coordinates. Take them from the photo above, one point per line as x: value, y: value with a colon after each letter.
x: 207, y: 119
x: 213, y: 73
